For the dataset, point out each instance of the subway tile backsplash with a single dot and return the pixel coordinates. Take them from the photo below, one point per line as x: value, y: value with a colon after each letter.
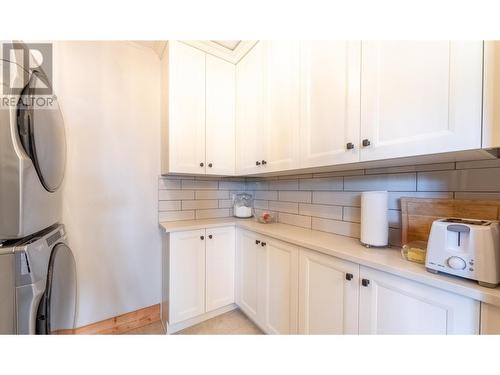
x: 330, y: 201
x: 189, y: 198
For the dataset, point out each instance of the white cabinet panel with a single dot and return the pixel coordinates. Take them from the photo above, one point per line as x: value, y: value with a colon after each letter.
x: 490, y: 319
x: 187, y: 275
x: 282, y: 105
x: 420, y: 97
x: 220, y: 116
x: 220, y: 263
x: 328, y: 294
x: 330, y: 102
x: 279, y: 294
x: 394, y: 305
x: 186, y: 103
x: 247, y: 284
x: 250, y: 126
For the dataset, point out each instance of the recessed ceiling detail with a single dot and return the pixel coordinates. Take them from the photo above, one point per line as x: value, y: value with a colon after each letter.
x: 229, y: 44
x: 229, y: 50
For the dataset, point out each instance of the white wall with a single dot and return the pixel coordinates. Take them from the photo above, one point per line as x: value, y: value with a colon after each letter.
x: 109, y: 96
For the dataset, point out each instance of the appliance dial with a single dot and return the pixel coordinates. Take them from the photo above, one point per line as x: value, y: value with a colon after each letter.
x: 456, y: 263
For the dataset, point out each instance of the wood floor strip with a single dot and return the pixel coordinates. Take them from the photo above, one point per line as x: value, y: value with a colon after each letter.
x: 118, y: 324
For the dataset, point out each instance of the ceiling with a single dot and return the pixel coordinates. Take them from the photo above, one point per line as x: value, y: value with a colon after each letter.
x: 229, y: 44
x: 156, y: 45
x: 229, y: 50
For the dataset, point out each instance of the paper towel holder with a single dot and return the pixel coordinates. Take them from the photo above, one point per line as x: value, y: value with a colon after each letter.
x: 374, y: 219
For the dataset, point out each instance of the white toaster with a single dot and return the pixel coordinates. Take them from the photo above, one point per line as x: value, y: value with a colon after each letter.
x: 466, y: 248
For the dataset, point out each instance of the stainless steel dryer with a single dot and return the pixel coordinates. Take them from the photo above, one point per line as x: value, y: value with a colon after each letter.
x: 32, y: 152
x: 37, y: 284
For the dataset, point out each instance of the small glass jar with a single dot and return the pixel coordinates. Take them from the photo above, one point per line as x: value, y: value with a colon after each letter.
x: 242, y: 205
x: 415, y: 251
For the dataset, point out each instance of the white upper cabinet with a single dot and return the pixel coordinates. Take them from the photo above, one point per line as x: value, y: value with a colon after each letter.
x: 185, y: 147
x: 394, y: 305
x: 198, y: 118
x: 288, y: 105
x: 420, y: 98
x: 220, y: 116
x: 328, y: 295
x: 282, y: 105
x: 330, y: 102
x: 250, y: 126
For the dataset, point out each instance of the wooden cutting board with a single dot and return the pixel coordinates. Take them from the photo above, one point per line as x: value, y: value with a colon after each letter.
x: 417, y: 214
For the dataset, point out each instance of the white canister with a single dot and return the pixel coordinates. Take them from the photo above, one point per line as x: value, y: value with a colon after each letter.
x: 374, y: 218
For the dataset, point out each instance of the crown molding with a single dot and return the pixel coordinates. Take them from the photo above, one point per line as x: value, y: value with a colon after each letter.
x: 232, y: 56
x: 156, y: 45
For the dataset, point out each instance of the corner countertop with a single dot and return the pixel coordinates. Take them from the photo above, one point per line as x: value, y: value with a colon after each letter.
x: 347, y: 248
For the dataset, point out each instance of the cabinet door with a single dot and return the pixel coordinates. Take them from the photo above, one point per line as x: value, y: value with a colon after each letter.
x: 220, y: 263
x: 250, y: 144
x: 220, y: 120
x: 248, y: 255
x: 394, y: 305
x: 420, y: 97
x: 186, y: 127
x: 282, y: 105
x: 187, y: 275
x: 279, y: 291
x: 328, y: 295
x: 330, y: 102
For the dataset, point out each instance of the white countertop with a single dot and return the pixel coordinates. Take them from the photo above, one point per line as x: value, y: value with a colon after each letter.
x: 388, y: 260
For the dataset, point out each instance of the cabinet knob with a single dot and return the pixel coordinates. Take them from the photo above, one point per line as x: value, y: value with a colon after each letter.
x: 257, y: 242
x: 366, y: 142
x: 349, y: 276
x: 349, y: 146
x: 264, y: 162
x: 257, y: 163
x: 210, y: 236
x: 202, y: 164
x: 263, y: 244
x: 365, y: 282
x: 209, y: 165
x: 202, y: 238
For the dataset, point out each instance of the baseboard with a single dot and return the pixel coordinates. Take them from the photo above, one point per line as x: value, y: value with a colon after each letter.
x: 119, y: 324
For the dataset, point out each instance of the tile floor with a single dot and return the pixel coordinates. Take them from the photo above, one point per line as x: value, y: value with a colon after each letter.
x: 231, y: 323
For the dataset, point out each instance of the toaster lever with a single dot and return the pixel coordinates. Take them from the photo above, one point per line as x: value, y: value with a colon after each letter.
x: 459, y: 229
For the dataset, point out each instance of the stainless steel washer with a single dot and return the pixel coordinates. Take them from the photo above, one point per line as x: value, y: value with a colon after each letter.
x: 37, y: 284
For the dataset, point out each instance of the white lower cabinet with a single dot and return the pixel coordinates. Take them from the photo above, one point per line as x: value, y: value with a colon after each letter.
x: 220, y: 261
x: 187, y: 275
x: 200, y: 272
x: 247, y: 273
x: 267, y: 282
x: 279, y: 294
x: 328, y: 294
x: 490, y: 319
x: 287, y: 290
x: 394, y: 305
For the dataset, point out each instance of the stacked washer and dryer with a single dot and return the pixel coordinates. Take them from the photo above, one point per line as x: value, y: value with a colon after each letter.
x: 37, y: 268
